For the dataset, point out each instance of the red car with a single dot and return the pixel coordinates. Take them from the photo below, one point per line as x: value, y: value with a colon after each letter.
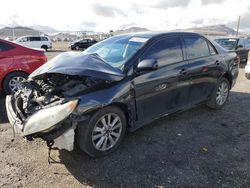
x: 16, y: 63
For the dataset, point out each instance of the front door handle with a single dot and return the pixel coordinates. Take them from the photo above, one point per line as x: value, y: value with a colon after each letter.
x: 183, y: 71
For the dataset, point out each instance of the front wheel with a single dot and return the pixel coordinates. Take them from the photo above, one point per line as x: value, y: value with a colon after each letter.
x: 103, y: 133
x: 220, y: 94
x: 12, y: 81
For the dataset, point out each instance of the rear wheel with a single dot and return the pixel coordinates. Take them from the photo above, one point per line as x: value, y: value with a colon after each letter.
x: 220, y: 94
x: 45, y: 47
x: 103, y: 133
x: 12, y: 81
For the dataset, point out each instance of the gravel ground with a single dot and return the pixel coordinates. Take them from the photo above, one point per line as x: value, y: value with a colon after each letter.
x: 196, y: 148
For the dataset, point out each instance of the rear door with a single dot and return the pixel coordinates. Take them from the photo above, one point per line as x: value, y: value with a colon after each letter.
x: 205, y: 67
x: 163, y: 90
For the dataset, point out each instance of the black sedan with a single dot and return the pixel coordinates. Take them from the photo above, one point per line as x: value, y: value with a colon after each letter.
x: 236, y: 44
x: 82, y: 44
x: 123, y: 82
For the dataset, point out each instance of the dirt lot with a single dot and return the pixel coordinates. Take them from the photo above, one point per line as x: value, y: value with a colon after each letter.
x: 197, y: 148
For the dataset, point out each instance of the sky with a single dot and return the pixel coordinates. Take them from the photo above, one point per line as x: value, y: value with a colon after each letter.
x: 105, y: 15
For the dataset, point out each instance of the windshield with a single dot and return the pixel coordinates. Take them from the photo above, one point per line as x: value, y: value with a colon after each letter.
x: 227, y: 43
x: 117, y: 50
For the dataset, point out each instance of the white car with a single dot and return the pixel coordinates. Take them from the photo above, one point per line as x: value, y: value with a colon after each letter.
x: 35, y: 42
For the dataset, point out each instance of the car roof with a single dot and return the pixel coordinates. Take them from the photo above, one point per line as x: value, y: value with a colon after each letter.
x: 151, y: 34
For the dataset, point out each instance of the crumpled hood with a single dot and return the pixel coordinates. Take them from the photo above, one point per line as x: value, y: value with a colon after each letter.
x: 75, y: 63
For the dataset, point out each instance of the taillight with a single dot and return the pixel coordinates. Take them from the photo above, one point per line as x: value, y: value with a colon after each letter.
x: 237, y: 59
x: 39, y: 58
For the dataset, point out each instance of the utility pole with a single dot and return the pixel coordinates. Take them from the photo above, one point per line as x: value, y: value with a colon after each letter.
x: 238, y: 27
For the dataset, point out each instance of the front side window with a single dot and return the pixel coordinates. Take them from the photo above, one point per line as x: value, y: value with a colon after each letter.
x: 196, y: 47
x: 166, y: 51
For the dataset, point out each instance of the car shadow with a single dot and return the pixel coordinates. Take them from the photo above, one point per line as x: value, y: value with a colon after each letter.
x: 197, y: 148
x: 56, y: 50
x: 3, y: 115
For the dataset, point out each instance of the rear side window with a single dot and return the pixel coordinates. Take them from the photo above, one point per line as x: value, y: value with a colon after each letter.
x: 165, y: 51
x: 196, y: 47
x: 35, y: 38
x: 5, y: 47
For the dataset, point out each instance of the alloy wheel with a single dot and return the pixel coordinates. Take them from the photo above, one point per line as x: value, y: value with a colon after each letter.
x: 14, y: 83
x: 222, y: 93
x: 107, y: 132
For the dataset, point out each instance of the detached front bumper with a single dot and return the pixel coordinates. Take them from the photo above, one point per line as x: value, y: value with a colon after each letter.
x: 62, y: 132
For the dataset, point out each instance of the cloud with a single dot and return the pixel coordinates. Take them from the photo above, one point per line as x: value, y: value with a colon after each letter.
x: 89, y: 25
x: 125, y: 26
x: 198, y: 21
x: 107, y: 11
x: 244, y: 22
x: 207, y: 2
x: 165, y: 4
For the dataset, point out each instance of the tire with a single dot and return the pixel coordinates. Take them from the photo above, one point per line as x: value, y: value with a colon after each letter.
x: 216, y: 102
x: 45, y: 47
x: 89, y: 135
x: 77, y: 48
x: 10, y: 79
x: 247, y: 75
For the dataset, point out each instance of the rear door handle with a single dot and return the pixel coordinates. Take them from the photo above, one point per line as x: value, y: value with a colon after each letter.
x: 183, y: 71
x: 217, y: 62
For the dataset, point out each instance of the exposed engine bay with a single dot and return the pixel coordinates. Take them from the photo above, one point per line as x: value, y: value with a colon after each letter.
x: 51, y: 89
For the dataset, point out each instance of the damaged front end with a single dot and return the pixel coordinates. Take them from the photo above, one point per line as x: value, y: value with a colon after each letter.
x: 45, y: 106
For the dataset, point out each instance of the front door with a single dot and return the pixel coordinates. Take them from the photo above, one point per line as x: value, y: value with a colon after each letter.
x: 163, y: 90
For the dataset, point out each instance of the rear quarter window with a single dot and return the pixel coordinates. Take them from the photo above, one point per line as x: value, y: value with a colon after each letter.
x: 44, y: 39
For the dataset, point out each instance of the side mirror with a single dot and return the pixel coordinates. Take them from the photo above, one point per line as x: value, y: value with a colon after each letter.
x: 147, y: 64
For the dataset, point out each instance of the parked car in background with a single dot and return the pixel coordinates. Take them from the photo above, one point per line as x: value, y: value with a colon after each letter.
x: 43, y: 42
x: 236, y: 44
x: 82, y: 44
x: 16, y: 63
x: 123, y: 82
